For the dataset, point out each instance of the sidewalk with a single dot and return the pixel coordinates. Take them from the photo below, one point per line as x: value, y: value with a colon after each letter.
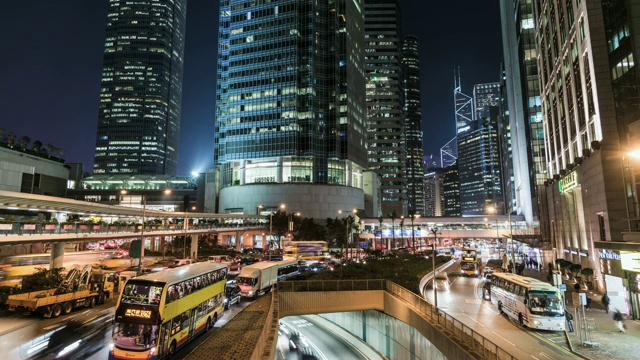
x: 612, y: 343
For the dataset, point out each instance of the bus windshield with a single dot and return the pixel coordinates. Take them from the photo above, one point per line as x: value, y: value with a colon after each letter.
x: 545, y: 303
x: 468, y: 265
x: 133, y: 336
x: 142, y: 293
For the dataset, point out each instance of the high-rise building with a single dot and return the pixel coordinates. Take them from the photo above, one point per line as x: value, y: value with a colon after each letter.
x: 413, y: 128
x: 524, y: 114
x: 433, y: 192
x: 449, y: 153
x: 478, y: 154
x: 589, y: 90
x: 450, y: 191
x: 141, y: 88
x: 290, y: 107
x: 385, y: 102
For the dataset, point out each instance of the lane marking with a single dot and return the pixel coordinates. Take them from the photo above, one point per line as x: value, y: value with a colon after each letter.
x: 500, y: 336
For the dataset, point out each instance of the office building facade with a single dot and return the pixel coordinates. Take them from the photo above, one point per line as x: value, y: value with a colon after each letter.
x: 589, y: 86
x: 385, y: 102
x: 524, y: 114
x: 413, y: 129
x: 141, y: 88
x: 290, y: 107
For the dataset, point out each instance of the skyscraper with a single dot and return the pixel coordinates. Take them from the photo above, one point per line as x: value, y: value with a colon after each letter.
x: 290, y: 106
x: 478, y: 153
x: 385, y: 102
x: 141, y: 88
x: 413, y: 130
x: 589, y: 86
x: 524, y: 110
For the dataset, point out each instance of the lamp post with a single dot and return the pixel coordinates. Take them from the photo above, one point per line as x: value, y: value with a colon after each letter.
x: 402, y: 230
x: 282, y: 206
x: 433, y: 265
x: 144, y: 212
x: 348, y: 220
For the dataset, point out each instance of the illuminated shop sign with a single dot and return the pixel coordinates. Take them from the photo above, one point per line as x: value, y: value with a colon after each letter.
x: 608, y: 254
x: 630, y: 261
x: 568, y: 182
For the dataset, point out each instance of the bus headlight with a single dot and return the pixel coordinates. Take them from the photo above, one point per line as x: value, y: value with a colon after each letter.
x: 537, y: 322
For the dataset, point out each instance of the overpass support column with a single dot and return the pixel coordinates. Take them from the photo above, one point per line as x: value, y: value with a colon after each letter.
x: 239, y: 244
x: 57, y: 255
x: 194, y: 245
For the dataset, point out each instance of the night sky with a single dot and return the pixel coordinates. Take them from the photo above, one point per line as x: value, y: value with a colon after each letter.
x: 51, y: 67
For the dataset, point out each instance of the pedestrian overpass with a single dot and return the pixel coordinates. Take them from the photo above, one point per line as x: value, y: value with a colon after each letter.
x: 430, y: 334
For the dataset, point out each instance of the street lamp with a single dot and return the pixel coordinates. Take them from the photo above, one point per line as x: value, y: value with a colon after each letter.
x: 402, y: 230
x: 348, y: 220
x: 433, y: 265
x: 144, y: 211
x: 282, y: 206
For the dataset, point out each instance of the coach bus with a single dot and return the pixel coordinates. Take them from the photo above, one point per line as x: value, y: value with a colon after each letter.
x: 159, y: 313
x: 531, y: 302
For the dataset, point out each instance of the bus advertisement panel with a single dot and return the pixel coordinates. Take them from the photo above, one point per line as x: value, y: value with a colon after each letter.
x: 159, y: 313
x: 531, y: 302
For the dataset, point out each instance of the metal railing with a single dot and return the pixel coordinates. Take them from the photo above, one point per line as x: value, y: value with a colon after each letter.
x: 453, y: 328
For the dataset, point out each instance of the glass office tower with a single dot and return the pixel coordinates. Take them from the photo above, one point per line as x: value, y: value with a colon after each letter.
x: 413, y: 131
x: 141, y: 88
x: 290, y: 99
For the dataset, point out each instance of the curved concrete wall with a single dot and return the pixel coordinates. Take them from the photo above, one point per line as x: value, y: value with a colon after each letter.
x: 311, y: 200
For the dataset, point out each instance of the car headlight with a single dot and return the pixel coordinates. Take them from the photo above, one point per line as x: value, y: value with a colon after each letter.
x: 68, y: 349
x: 250, y: 292
x: 111, y: 346
x: 226, y: 300
x: 537, y: 322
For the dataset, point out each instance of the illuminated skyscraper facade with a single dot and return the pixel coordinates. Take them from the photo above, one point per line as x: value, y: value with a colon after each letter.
x: 290, y: 106
x: 413, y: 129
x: 141, y: 88
x: 387, y: 148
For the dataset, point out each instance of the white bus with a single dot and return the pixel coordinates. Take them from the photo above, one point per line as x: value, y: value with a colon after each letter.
x: 531, y: 302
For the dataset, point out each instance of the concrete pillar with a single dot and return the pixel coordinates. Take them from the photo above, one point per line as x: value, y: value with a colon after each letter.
x: 241, y: 173
x: 57, y: 255
x: 194, y: 245
x: 279, y: 170
x: 239, y: 243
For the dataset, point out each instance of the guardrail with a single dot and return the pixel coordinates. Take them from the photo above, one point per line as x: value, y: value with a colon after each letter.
x: 61, y: 229
x: 465, y: 336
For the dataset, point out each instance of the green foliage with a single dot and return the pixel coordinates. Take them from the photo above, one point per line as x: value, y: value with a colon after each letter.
x: 587, y: 272
x: 564, y: 264
x: 405, y: 272
x: 574, y: 268
x: 42, y: 279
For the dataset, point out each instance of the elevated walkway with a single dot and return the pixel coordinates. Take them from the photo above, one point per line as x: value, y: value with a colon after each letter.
x: 451, y: 337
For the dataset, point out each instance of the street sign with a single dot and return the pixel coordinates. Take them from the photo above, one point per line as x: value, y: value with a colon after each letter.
x: 364, y: 245
x: 563, y: 287
x: 134, y: 249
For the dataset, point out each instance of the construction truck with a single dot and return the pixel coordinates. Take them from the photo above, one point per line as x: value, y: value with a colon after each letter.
x: 80, y: 288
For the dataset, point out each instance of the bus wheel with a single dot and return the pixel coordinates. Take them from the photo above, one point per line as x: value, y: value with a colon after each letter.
x: 67, y: 307
x: 520, y: 320
x: 56, y: 310
x: 500, y: 308
x: 92, y: 302
x: 172, y: 348
x: 208, y: 326
x: 215, y: 318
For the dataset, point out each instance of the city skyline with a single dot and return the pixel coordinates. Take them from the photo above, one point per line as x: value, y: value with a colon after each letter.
x: 61, y: 69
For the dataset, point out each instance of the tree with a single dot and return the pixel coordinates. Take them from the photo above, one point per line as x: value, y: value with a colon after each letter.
x: 393, y: 217
x: 10, y: 139
x: 47, y: 149
x: 335, y: 232
x: 574, y: 269
x: 311, y: 230
x: 279, y: 225
x: 587, y: 273
x: 380, y: 220
x: 24, y: 142
x: 36, y: 146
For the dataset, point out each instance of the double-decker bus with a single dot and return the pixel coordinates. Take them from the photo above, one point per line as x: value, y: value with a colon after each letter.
x: 306, y: 250
x: 159, y: 313
x: 469, y: 264
x: 531, y: 302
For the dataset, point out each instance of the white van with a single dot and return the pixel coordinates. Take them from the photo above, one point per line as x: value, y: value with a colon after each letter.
x: 220, y: 259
